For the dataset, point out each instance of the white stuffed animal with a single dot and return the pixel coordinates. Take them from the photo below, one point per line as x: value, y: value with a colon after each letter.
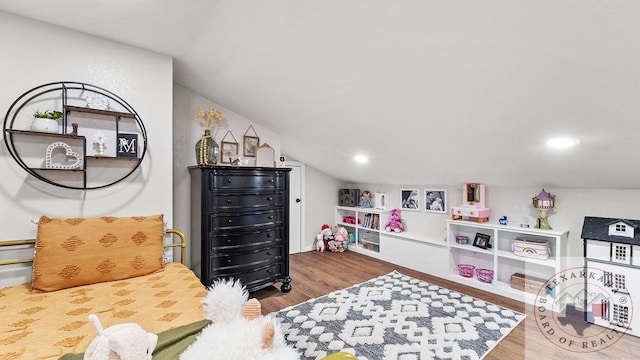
x: 237, y: 331
x: 320, y: 242
x: 126, y: 341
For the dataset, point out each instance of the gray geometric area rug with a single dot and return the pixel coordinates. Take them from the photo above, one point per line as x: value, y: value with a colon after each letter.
x: 397, y: 317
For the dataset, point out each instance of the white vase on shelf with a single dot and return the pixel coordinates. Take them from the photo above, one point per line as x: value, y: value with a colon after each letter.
x: 45, y: 125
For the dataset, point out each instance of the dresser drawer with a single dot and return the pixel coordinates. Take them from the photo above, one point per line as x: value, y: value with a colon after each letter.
x: 221, y: 222
x: 250, y: 258
x: 253, y: 278
x: 221, y: 242
x: 241, y: 181
x: 222, y: 202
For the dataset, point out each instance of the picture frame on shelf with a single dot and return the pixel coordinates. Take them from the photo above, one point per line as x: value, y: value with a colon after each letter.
x: 410, y: 199
x: 435, y: 201
x: 127, y: 145
x: 229, y: 151
x: 265, y: 156
x: 250, y: 145
x: 482, y: 241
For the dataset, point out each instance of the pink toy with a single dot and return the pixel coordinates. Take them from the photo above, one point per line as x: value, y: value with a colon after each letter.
x: 349, y: 220
x: 340, y: 240
x: 395, y: 223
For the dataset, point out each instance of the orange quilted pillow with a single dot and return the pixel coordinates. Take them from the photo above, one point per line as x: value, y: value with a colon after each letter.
x: 80, y: 251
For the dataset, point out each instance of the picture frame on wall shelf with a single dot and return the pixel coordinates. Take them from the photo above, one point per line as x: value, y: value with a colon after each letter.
x: 435, y: 201
x: 410, y: 199
x: 127, y: 145
x: 482, y: 241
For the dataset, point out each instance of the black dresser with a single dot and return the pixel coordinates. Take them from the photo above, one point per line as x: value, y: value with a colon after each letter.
x: 240, y: 225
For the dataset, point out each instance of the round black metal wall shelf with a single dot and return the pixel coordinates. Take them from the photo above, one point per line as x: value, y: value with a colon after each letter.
x: 58, y: 154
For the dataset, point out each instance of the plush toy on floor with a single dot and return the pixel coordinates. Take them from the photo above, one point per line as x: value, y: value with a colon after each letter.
x: 237, y: 331
x: 324, y: 237
x: 340, y: 240
x: 120, y: 342
x: 320, y: 242
x: 395, y: 223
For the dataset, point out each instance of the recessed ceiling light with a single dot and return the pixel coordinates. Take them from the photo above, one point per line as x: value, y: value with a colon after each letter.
x: 361, y: 159
x: 562, y: 142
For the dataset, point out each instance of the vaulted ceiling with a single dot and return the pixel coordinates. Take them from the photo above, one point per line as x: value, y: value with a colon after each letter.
x: 434, y: 92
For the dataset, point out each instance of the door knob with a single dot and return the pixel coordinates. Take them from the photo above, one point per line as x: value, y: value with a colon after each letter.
x: 298, y: 200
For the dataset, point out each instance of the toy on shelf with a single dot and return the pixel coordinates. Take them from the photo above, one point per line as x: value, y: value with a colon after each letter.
x: 544, y: 201
x: 395, y: 222
x: 349, y: 220
x: 366, y: 200
x: 503, y: 220
x: 473, y: 207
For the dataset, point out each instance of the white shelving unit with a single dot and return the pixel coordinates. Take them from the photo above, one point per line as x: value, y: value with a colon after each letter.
x: 369, y: 222
x: 500, y: 257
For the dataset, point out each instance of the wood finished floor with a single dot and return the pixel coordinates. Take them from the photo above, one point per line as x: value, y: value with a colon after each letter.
x: 316, y: 274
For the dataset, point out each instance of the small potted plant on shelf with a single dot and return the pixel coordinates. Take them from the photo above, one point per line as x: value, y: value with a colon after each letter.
x: 46, y: 121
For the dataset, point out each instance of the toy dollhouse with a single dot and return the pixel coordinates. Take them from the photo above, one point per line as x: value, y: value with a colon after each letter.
x: 612, y: 249
x: 473, y: 207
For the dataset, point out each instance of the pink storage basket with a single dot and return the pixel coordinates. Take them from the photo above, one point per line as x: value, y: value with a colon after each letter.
x: 484, y: 275
x: 466, y: 270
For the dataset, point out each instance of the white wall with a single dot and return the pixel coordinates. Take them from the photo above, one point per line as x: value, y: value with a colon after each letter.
x: 187, y: 130
x: 35, y: 53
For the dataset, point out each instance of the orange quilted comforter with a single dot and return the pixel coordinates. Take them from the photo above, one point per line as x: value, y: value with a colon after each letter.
x: 37, y: 325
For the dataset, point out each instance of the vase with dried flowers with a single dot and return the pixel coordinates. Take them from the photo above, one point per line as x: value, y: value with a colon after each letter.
x: 206, y: 148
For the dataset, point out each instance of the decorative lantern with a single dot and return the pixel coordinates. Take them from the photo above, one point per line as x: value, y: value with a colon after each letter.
x: 543, y: 202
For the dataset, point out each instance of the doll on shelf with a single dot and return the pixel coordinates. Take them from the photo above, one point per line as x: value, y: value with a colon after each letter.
x: 365, y: 199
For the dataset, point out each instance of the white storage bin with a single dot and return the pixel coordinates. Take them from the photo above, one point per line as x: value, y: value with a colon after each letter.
x: 536, y: 249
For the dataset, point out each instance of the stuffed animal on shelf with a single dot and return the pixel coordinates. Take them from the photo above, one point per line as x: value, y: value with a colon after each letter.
x: 237, y: 331
x: 126, y: 341
x: 395, y: 222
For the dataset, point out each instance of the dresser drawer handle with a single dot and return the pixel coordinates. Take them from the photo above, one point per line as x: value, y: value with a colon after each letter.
x: 269, y: 199
x: 268, y: 252
x: 270, y: 217
x: 229, y: 180
x: 268, y: 271
x: 270, y: 180
x: 230, y: 221
x: 228, y: 241
x: 228, y: 201
x: 229, y: 261
x: 269, y: 235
